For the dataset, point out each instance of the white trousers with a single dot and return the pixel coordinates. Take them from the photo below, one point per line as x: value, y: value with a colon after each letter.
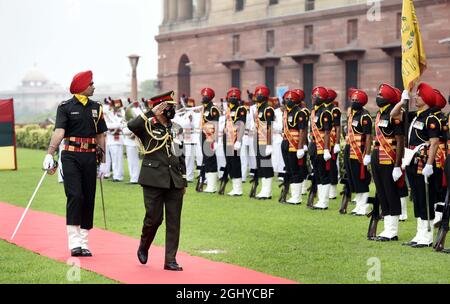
x: 277, y: 157
x: 108, y: 161
x: 133, y: 163
x: 248, y: 160
x: 189, y: 159
x: 117, y: 161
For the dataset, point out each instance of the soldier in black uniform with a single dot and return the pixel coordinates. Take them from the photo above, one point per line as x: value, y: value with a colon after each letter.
x: 265, y: 118
x: 321, y: 126
x: 236, y: 117
x: 423, y: 141
x: 335, y: 135
x: 295, y: 124
x: 80, y: 122
x: 162, y: 177
x: 359, y: 141
x: 386, y: 161
x: 210, y: 128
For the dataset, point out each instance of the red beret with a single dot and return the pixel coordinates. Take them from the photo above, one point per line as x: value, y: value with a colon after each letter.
x: 440, y: 101
x: 292, y: 95
x: 80, y: 82
x: 208, y: 92
x: 359, y: 96
x: 234, y: 92
x: 167, y: 97
x: 320, y: 92
x: 300, y: 93
x: 263, y: 91
x: 387, y: 92
x: 331, y: 95
x: 426, y: 92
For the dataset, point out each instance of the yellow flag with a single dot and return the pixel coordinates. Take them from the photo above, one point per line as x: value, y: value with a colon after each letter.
x: 414, y: 61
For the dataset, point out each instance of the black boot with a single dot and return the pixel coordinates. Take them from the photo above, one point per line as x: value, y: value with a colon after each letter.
x: 142, y: 252
x: 173, y: 266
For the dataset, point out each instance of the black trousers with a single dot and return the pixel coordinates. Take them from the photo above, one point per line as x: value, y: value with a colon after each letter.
x: 387, y: 190
x: 296, y: 173
x: 353, y: 169
x: 441, y: 191
x: 209, y: 156
x: 334, y: 169
x: 234, y: 164
x: 417, y: 183
x: 263, y: 162
x: 80, y: 180
x: 323, y: 176
x: 155, y: 200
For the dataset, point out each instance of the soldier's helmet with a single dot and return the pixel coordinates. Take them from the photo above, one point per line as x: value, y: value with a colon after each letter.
x: 262, y: 93
x: 389, y: 93
x: 319, y: 94
x: 208, y: 94
x: 440, y: 101
x: 292, y: 96
x: 300, y: 93
x: 234, y: 93
x: 426, y: 92
x: 331, y: 95
x: 359, y: 96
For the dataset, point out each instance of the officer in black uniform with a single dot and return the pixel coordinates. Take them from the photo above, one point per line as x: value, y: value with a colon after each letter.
x: 335, y: 135
x: 80, y: 123
x: 264, y: 120
x: 162, y: 177
x: 209, y: 125
x: 236, y: 116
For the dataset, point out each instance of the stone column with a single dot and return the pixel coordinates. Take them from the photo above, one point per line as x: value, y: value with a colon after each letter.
x: 184, y: 10
x: 173, y: 10
x: 166, y: 11
x: 200, y: 11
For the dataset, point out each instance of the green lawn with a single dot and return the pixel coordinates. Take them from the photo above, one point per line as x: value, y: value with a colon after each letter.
x: 288, y: 241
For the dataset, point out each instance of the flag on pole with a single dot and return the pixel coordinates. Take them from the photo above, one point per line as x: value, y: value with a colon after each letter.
x: 414, y: 61
x: 7, y: 136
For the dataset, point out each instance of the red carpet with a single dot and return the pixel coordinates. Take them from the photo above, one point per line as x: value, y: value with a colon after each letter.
x: 115, y: 254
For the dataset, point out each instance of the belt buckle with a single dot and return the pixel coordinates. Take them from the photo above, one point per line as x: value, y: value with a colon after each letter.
x: 85, y: 146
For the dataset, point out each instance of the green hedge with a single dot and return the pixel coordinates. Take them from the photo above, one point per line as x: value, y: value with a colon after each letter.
x: 33, y: 136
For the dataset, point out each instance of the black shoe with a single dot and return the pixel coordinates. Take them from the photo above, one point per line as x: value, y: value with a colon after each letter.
x: 76, y: 252
x: 371, y: 238
x: 409, y: 244
x: 318, y: 208
x: 86, y: 253
x: 264, y: 198
x: 130, y: 183
x: 386, y: 239
x: 173, y: 266
x: 142, y: 255
x: 446, y: 251
x: 422, y: 245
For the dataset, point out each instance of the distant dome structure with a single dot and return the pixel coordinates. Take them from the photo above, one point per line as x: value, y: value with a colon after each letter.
x: 34, y: 78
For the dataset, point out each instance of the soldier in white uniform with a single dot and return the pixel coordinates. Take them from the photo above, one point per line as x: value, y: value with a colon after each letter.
x: 131, y: 146
x: 277, y: 139
x: 115, y: 122
x: 248, y: 155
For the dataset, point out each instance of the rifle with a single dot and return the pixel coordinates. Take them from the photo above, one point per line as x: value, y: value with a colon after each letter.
x: 312, y: 190
x: 346, y: 195
x: 375, y: 217
x: 201, y: 178
x: 443, y: 228
x: 284, y: 189
x: 223, y: 180
x: 254, y: 182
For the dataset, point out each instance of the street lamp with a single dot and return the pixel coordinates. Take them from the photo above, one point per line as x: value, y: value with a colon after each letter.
x: 134, y: 60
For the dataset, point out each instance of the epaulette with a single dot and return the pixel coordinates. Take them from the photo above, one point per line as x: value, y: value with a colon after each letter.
x: 65, y: 102
x: 431, y: 116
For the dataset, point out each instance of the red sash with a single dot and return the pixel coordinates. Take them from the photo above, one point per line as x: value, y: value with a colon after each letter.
x: 292, y: 141
x: 231, y: 138
x: 355, y: 148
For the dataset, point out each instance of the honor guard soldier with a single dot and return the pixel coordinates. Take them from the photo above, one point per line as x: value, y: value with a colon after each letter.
x: 162, y: 177
x: 236, y: 116
x: 248, y: 155
x: 359, y: 139
x: 419, y: 160
x: 80, y: 123
x: 131, y: 146
x: 387, y: 159
x: 304, y: 107
x: 295, y: 125
x: 115, y: 120
x: 264, y: 120
x: 335, y: 137
x: 210, y: 121
x: 321, y: 126
x: 277, y: 139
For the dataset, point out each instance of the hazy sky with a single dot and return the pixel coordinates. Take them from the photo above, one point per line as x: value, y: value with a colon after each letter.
x: 63, y: 37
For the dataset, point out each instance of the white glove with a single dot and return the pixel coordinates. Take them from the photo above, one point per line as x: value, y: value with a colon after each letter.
x: 48, y: 162
x: 397, y: 173
x: 300, y: 153
x: 326, y: 155
x: 237, y: 145
x: 427, y: 171
x: 366, y: 160
x: 405, y: 95
x: 268, y: 150
x: 305, y: 147
x: 336, y: 149
x: 102, y: 170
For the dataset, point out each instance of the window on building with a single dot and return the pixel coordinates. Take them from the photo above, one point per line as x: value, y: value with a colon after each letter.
x: 309, y: 5
x: 351, y: 76
x: 273, y: 2
x: 236, y: 44
x: 270, y: 40
x: 398, y: 73
x: 309, y: 36
x: 308, y: 81
x: 239, y: 5
x: 352, y: 30
x: 236, y: 78
x: 270, y: 79
x: 399, y: 26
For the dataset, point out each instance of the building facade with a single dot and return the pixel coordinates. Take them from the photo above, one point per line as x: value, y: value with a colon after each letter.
x: 296, y: 44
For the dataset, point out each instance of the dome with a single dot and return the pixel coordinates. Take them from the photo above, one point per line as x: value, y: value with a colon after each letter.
x: 34, y: 78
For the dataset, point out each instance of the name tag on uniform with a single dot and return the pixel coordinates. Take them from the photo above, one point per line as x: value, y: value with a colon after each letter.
x: 316, y: 120
x: 260, y: 115
x: 94, y: 113
x: 355, y: 123
x: 75, y: 113
x: 383, y: 123
x: 157, y: 132
x: 418, y: 125
x: 290, y: 118
x: 233, y: 113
